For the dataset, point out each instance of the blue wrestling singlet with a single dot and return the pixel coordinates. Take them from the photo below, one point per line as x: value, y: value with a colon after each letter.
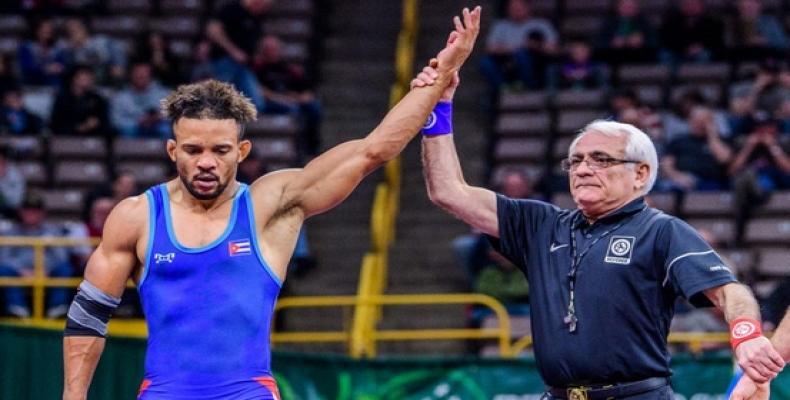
x: 208, y: 310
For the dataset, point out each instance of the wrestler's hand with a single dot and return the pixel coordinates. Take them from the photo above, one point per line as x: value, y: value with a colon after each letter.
x: 746, y: 389
x: 461, y: 40
x: 759, y: 360
x: 428, y: 77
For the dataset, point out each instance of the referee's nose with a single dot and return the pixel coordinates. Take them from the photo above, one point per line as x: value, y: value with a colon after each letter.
x: 583, y: 169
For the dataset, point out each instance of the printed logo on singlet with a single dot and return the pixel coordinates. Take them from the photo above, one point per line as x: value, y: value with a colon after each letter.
x: 620, y: 249
x: 239, y: 248
x: 161, y: 258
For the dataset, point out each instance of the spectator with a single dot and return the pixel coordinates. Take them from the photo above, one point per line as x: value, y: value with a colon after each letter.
x: 202, y: 67
x: 154, y: 48
x: 135, y: 110
x: 503, y: 281
x: 765, y: 94
x: 235, y: 32
x: 622, y: 99
x: 17, y: 261
x: 689, y: 33
x: 15, y: 118
x: 41, y: 59
x: 92, y: 226
x: 626, y: 106
x: 102, y: 53
x: 473, y: 249
x: 516, y: 46
x: 12, y: 184
x: 79, y: 109
x: 123, y: 185
x: 646, y: 119
x: 627, y: 34
x: 755, y: 35
x: 676, y: 123
x: 100, y: 210
x: 698, y: 160
x: 579, y: 71
x: 533, y: 61
x: 515, y: 183
x: 761, y: 166
x: 287, y: 90
x: 488, y: 271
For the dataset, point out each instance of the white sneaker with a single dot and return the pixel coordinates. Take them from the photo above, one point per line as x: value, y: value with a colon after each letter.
x: 19, y: 311
x: 57, y: 311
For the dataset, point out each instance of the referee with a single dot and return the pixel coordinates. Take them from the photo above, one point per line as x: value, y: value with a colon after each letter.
x: 604, y: 277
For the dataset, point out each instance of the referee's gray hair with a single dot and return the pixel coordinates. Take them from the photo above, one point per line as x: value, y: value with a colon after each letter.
x: 638, y: 145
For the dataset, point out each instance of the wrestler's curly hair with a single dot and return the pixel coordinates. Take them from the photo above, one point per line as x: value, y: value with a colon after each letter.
x: 209, y: 99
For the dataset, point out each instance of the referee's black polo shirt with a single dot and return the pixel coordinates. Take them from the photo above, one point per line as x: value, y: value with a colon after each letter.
x: 626, y: 286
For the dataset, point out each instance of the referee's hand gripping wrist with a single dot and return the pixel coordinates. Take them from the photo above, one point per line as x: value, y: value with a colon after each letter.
x: 429, y: 76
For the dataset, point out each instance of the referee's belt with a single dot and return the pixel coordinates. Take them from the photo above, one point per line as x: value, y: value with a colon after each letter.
x: 604, y: 392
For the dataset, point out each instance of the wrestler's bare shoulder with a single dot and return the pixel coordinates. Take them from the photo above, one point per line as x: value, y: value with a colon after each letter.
x: 269, y: 191
x: 274, y: 181
x: 128, y: 220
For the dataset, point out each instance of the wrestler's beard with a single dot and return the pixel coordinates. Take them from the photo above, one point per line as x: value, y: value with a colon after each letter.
x: 189, y: 184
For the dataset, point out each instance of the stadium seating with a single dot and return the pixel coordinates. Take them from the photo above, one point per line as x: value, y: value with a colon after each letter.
x: 64, y: 168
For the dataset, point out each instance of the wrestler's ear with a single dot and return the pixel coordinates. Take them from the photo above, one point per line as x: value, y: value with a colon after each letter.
x: 171, y: 149
x: 171, y: 143
x: 245, y: 146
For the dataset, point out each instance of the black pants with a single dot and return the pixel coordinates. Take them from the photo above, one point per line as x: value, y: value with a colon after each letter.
x: 662, y: 393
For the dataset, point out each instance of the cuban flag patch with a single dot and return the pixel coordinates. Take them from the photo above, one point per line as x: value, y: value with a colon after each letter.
x: 239, y: 248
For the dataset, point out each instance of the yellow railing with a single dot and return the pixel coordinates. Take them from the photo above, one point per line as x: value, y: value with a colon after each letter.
x: 501, y: 333
x: 39, y: 280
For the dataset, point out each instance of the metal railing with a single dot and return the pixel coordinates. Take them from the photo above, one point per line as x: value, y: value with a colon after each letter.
x: 501, y: 333
x: 39, y: 280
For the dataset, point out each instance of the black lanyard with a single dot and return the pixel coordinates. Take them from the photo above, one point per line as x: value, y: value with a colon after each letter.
x: 576, y: 258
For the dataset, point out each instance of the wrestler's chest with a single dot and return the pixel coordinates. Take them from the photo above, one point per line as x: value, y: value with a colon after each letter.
x: 197, y: 230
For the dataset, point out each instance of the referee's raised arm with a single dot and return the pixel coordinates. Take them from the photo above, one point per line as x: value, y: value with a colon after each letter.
x: 444, y: 178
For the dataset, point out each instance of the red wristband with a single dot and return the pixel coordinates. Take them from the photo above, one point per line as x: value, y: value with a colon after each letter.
x: 743, y: 329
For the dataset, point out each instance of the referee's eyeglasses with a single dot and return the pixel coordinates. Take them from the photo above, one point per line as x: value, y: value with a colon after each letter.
x: 595, y: 162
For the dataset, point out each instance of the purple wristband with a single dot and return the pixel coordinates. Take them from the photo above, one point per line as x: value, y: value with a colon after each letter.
x: 440, y: 122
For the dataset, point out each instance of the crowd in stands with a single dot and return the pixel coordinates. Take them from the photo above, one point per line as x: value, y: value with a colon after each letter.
x: 113, y: 87
x: 526, y: 50
x: 709, y: 82
x: 732, y: 136
x: 106, y: 86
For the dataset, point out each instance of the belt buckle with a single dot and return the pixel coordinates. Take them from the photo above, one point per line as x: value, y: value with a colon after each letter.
x: 578, y: 393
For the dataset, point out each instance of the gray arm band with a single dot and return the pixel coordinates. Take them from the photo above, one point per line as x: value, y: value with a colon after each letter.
x: 90, y: 312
